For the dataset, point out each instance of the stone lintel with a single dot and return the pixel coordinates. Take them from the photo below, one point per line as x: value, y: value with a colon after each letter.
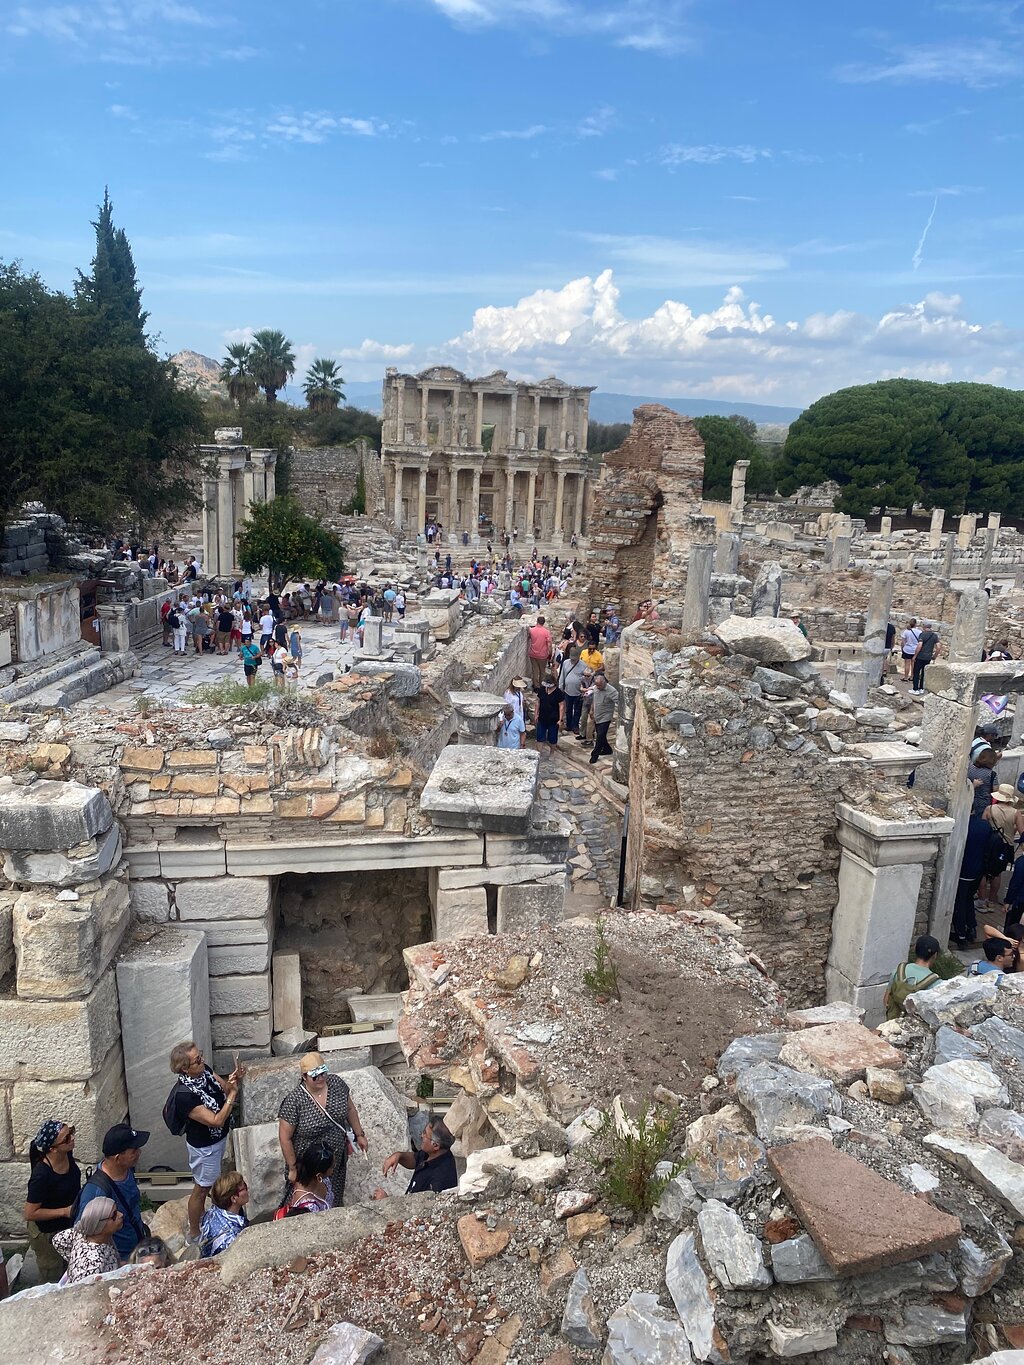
x: 886, y: 843
x: 965, y: 683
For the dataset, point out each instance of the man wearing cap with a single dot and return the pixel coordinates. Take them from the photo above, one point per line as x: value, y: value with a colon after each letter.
x: 114, y: 1178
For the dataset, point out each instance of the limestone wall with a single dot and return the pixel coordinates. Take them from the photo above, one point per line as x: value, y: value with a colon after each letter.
x: 47, y: 620
x: 323, y: 479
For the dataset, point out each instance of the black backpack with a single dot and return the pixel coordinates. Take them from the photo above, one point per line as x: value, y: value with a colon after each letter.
x: 172, y: 1115
x: 998, y: 854
x: 172, y: 620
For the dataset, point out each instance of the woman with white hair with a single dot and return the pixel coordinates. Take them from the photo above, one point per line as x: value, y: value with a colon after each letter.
x: 88, y: 1247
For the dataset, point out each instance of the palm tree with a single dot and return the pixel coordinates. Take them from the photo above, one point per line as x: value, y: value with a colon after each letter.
x: 236, y: 372
x: 273, y: 361
x: 323, y: 385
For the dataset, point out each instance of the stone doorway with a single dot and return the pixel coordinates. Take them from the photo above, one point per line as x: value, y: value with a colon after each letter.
x: 349, y: 929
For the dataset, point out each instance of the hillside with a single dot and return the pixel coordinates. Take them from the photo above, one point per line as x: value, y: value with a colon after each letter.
x: 199, y: 370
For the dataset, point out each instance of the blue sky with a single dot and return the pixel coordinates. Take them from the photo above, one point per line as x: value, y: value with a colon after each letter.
x: 705, y: 197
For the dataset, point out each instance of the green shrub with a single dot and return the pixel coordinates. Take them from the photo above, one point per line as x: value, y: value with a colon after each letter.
x: 230, y: 692
x: 630, y: 1180
x: 604, y: 978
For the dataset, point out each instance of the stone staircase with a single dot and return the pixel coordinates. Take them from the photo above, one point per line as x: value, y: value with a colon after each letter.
x: 62, y: 680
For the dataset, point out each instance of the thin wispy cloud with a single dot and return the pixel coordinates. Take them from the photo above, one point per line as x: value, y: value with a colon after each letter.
x: 516, y: 134
x: 918, y: 255
x: 122, y: 111
x: 710, y: 153
x: 237, y: 135
x: 657, y: 26
x: 976, y: 63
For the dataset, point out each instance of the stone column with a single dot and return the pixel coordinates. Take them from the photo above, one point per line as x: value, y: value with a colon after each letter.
x: 249, y: 486
x: 225, y: 523
x: 422, y: 501
x: 556, y: 530
x: 986, y: 554
x: 697, y: 601
x: 852, y: 678
x: 739, y: 492
x: 885, y: 530
x: 476, y: 716
x: 478, y: 430
x: 875, y: 624
x: 935, y: 530
x: 424, y: 393
x: 563, y: 423
x: 965, y: 531
x: 581, y: 485
x: 727, y: 556
x: 211, y: 546
x: 475, y: 504
x: 947, y: 559
x: 270, y: 475
x: 534, y: 436
x: 840, y: 553
x: 373, y: 635
x: 511, y: 443
x: 873, y: 923
x: 399, y: 477
x: 531, y: 497
x: 968, y: 639
x: 453, y: 497
x: 994, y: 522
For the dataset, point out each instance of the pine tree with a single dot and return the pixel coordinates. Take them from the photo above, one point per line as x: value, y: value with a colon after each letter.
x: 110, y: 295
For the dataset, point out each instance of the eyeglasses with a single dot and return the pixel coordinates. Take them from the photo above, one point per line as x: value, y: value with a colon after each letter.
x: 69, y: 1134
x: 317, y: 1072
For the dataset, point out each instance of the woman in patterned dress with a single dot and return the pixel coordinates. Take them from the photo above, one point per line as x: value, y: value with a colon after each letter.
x: 88, y: 1247
x: 319, y: 1109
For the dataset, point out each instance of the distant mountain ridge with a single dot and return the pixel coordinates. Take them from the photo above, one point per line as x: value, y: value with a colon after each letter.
x: 604, y: 407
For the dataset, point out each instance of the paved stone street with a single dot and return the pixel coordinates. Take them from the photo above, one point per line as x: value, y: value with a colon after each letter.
x: 167, y: 678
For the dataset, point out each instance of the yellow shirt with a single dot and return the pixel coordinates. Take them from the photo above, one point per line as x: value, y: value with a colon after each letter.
x: 592, y: 658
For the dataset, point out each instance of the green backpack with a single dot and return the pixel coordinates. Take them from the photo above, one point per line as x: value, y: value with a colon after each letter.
x: 902, y: 986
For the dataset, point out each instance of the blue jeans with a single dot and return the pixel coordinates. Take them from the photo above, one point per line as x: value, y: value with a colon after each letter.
x: 572, y: 713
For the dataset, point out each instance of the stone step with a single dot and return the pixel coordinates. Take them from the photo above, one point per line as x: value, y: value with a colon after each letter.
x: 97, y: 675
x: 42, y: 673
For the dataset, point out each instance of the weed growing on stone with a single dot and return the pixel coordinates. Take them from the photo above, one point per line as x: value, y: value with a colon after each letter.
x: 631, y: 1179
x: 604, y: 978
x: 947, y: 966
x: 230, y: 693
x: 383, y: 744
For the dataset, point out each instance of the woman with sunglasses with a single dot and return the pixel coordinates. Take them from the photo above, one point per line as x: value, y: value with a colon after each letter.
x: 319, y: 1110
x: 53, y: 1189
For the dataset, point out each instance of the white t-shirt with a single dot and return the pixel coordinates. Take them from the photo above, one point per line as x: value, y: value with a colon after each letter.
x: 909, y: 640
x: 515, y: 700
x: 267, y: 623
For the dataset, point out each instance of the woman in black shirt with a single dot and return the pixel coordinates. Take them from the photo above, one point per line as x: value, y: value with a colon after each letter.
x: 53, y: 1188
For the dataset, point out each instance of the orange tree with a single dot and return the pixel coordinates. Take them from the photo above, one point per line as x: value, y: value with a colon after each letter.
x: 279, y: 536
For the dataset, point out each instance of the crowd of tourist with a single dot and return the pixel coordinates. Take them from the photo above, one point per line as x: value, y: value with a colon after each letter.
x: 84, y: 1226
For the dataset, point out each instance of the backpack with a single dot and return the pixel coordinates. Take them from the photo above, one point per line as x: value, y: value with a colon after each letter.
x: 172, y: 1116
x: 172, y: 620
x: 902, y: 986
x: 998, y: 854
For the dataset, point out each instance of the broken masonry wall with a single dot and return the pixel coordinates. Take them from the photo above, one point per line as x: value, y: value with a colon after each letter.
x: 323, y: 479
x: 639, y: 522
x: 730, y: 813
x: 847, y: 592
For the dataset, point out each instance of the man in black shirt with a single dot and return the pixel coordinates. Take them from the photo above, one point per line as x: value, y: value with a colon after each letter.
x: 433, y: 1166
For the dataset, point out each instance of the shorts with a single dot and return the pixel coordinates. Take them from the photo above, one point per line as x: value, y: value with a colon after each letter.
x: 250, y: 670
x: 547, y: 734
x: 205, y: 1162
x: 223, y: 637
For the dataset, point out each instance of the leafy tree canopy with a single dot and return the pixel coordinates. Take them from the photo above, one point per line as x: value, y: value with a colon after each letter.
x: 605, y: 436
x: 957, y: 446
x: 727, y: 440
x: 279, y: 537
x: 281, y: 425
x: 92, y: 422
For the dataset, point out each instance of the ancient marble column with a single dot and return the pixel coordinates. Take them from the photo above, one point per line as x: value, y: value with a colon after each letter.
x: 840, y: 553
x: 853, y: 679
x: 563, y: 423
x: 511, y: 443
x: 885, y: 530
x: 986, y: 554
x: 510, y: 489
x: 965, y: 531
x: 994, y: 522
x: 947, y: 560
x: 211, y: 551
x: 424, y: 394
x: 269, y: 475
x: 968, y: 639
x: 534, y: 435
x: 875, y: 624
x: 739, y: 492
x: 727, y: 555
x: 935, y: 530
x: 225, y: 521
x: 475, y: 503
x: 422, y: 500
x: 531, y: 496
x: 556, y: 530
x: 581, y: 485
x: 697, y: 601
x: 478, y: 431
x: 453, y: 498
